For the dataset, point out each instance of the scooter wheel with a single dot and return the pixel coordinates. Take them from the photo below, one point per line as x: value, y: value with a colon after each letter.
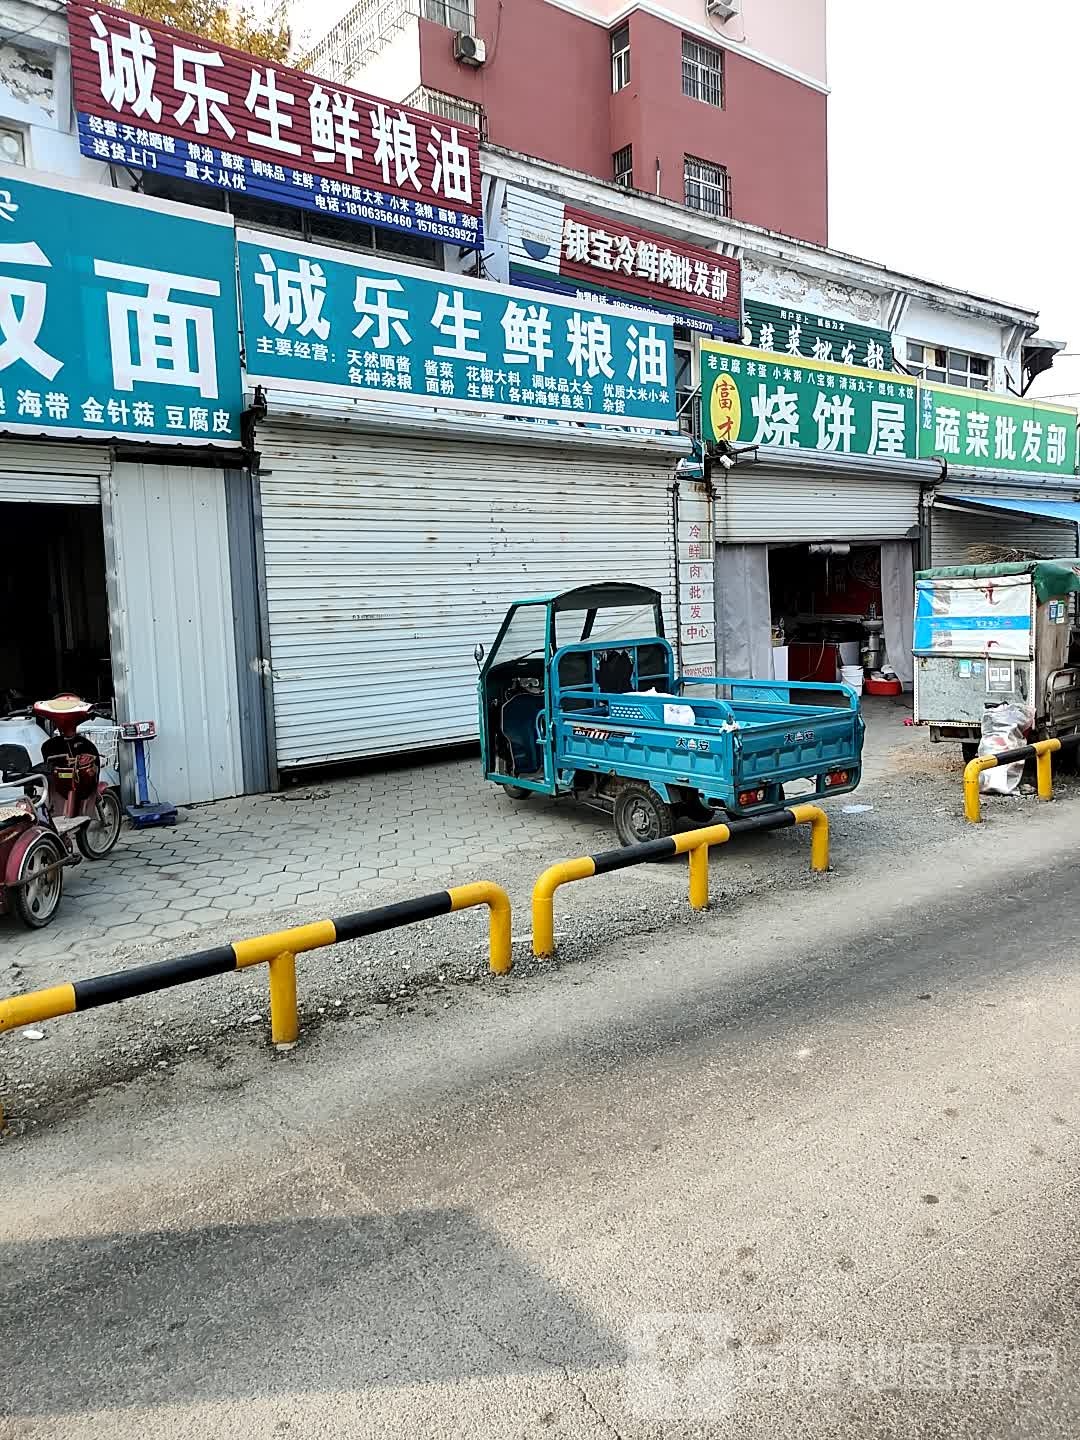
x: 98, y: 838
x: 36, y: 902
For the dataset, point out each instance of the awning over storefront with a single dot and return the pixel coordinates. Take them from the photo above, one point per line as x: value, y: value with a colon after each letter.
x: 1047, y: 509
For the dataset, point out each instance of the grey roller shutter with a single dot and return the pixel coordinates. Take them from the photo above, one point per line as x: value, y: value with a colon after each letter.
x: 960, y: 535
x: 52, y: 474
x: 797, y: 496
x: 387, y: 557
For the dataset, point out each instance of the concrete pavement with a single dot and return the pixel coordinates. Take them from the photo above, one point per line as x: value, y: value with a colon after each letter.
x: 809, y: 1173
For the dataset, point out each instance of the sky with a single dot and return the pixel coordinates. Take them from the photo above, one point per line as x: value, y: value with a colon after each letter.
x: 953, y: 130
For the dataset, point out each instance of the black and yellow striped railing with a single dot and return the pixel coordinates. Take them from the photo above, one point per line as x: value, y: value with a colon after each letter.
x: 278, y: 951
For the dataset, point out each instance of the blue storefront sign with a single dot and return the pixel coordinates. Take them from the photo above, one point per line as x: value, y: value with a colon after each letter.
x: 118, y: 315
x: 326, y: 322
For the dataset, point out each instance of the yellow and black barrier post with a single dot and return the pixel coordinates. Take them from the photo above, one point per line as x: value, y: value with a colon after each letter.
x: 277, y: 951
x: 1040, y: 751
x: 696, y: 843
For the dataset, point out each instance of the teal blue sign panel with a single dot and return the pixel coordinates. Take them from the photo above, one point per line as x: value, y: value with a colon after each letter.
x: 327, y: 322
x: 118, y: 316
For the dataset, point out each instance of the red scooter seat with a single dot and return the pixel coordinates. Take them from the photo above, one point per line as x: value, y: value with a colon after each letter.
x: 66, y: 712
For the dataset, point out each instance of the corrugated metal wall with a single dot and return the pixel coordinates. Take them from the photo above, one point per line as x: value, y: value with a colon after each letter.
x: 388, y: 558
x: 756, y: 504
x: 53, y: 474
x: 174, y: 656
x: 955, y: 533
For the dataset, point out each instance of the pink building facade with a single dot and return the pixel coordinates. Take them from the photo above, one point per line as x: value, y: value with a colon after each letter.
x: 725, y: 115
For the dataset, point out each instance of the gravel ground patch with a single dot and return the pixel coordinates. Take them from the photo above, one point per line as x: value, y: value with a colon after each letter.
x: 910, y: 804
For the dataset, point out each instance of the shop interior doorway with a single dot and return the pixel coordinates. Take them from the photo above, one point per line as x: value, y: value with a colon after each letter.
x: 53, y: 599
x: 839, y: 605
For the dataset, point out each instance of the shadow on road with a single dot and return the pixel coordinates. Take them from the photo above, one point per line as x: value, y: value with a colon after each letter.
x: 250, y: 1310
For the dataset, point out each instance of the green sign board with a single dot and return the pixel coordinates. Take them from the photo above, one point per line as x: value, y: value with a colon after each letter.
x: 996, y: 432
x: 337, y: 323
x: 798, y: 333
x: 118, y: 315
x: 751, y: 398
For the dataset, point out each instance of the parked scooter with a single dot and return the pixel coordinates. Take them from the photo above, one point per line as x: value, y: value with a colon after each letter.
x: 82, y: 803
x: 32, y: 852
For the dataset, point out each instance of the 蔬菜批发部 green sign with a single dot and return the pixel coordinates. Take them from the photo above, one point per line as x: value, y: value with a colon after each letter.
x: 996, y: 432
x: 753, y: 398
x: 788, y: 331
x: 117, y: 315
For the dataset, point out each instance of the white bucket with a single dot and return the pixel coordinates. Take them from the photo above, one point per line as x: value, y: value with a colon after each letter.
x: 852, y: 675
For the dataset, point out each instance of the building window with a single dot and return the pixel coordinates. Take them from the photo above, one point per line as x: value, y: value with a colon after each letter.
x: 949, y: 367
x: 622, y: 166
x: 620, y: 59
x: 447, y: 107
x: 454, y: 14
x: 687, y: 398
x: 702, y: 72
x: 12, y: 145
x: 707, y: 186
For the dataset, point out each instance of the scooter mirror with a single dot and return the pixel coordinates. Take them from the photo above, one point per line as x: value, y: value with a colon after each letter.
x: 478, y: 654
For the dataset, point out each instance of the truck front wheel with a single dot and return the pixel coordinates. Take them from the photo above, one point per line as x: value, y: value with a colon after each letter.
x: 641, y: 815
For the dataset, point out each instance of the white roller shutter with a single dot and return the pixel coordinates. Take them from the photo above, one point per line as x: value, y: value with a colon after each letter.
x: 797, y: 496
x: 388, y: 557
x: 962, y: 536
x: 37, y: 471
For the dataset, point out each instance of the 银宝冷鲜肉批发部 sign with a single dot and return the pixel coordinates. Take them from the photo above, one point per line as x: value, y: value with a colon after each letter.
x: 152, y: 97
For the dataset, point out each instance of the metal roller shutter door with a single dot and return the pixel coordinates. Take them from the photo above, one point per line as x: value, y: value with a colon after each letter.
x: 756, y: 506
x: 388, y: 558
x: 34, y: 470
x: 956, y: 531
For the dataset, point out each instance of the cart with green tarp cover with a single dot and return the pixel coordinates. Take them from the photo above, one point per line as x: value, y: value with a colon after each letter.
x: 987, y: 635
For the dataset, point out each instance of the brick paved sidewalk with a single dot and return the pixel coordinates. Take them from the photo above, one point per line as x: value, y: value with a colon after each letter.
x: 333, y: 845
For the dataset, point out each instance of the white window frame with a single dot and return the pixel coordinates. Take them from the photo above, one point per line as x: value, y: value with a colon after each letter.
x: 620, y: 58
x: 711, y: 182
x: 702, y: 72
x: 945, y: 365
x: 457, y: 15
x: 625, y: 175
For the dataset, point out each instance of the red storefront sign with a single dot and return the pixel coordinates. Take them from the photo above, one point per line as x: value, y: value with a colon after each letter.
x: 598, y: 253
x: 153, y: 97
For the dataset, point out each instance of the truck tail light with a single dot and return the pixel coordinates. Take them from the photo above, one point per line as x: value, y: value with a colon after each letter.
x: 837, y: 777
x: 751, y: 797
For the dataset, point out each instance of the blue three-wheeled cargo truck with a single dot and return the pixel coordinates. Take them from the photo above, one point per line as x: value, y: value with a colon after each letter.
x: 579, y: 696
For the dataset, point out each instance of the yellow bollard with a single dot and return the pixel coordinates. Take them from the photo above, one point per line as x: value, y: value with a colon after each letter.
x: 284, y: 1020
x: 543, y: 907
x: 1045, y: 781
x: 972, y: 770
x: 815, y: 817
x: 696, y: 843
x: 486, y: 892
x: 699, y: 877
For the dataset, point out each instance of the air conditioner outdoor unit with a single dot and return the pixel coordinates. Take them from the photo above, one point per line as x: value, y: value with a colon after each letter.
x: 722, y: 9
x: 469, y: 49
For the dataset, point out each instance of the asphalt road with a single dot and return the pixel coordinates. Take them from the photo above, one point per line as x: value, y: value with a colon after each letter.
x: 811, y: 1171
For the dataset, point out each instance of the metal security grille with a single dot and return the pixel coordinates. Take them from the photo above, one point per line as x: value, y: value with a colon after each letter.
x: 702, y: 72
x: 707, y: 186
x: 622, y: 166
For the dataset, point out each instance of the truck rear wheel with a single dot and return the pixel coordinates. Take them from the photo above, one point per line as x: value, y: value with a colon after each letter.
x: 640, y: 814
x: 969, y: 749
